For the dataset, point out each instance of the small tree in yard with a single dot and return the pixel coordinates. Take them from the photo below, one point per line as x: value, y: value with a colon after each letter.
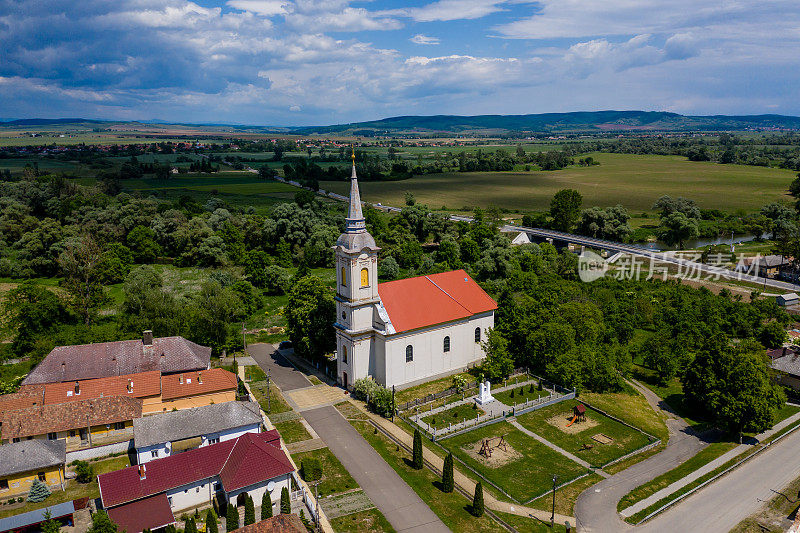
x: 84, y: 472
x: 249, y: 511
x: 231, y: 518
x: 477, y: 501
x: 101, y: 523
x: 211, y: 522
x: 190, y: 526
x: 39, y: 492
x: 266, y: 506
x: 447, y: 474
x: 286, y: 504
x: 416, y: 456
x: 50, y: 525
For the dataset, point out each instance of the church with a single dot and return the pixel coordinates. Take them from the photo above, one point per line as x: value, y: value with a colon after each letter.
x: 407, y: 331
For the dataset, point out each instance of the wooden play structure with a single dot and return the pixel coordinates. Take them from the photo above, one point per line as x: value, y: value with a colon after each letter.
x: 578, y: 414
x: 486, y: 445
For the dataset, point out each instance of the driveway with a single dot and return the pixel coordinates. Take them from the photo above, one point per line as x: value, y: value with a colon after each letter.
x: 281, y: 371
x: 401, y: 506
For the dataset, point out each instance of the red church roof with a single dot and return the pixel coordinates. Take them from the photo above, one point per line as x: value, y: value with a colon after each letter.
x: 249, y: 459
x: 435, y: 299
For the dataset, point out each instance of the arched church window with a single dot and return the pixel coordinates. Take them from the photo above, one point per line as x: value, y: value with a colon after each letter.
x: 446, y: 346
x: 477, y: 334
x: 344, y: 278
x: 409, y: 353
x: 344, y: 353
x: 364, y: 277
x: 344, y: 316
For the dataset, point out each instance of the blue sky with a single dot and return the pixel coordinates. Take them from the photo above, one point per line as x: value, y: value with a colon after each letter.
x: 302, y: 62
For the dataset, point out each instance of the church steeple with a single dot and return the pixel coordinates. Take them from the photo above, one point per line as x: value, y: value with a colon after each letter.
x: 355, y: 217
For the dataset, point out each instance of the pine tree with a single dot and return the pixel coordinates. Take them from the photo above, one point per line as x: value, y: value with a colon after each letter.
x: 286, y: 505
x: 39, y: 492
x: 416, y: 457
x: 231, y: 518
x: 447, y: 474
x: 190, y: 526
x: 477, y: 501
x: 101, y: 523
x: 211, y: 522
x: 249, y: 511
x: 50, y: 525
x: 266, y: 505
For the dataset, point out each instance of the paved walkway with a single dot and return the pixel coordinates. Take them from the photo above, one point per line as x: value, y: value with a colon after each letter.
x: 552, y: 446
x: 460, y: 480
x: 705, y: 469
x: 282, y: 372
x: 401, y: 506
x: 316, y: 396
x: 305, y: 445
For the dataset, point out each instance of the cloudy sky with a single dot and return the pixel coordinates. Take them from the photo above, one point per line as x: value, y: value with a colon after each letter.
x: 301, y: 62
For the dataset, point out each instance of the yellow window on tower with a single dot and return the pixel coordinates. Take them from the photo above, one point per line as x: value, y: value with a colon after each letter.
x: 364, y: 277
x: 344, y: 279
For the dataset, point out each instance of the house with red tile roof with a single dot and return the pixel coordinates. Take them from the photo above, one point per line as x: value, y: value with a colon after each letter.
x: 148, y: 495
x: 406, y: 331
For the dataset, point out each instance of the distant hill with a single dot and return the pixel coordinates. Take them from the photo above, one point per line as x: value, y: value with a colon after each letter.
x: 583, y: 121
x: 575, y: 122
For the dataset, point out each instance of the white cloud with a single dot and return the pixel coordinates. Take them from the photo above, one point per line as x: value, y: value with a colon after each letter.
x: 424, y: 39
x: 444, y: 10
x: 295, y: 108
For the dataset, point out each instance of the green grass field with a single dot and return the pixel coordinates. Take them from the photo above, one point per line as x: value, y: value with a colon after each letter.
x: 335, y: 478
x: 527, y: 474
x: 634, y: 181
x: 455, y: 415
x: 368, y: 521
x: 625, y: 439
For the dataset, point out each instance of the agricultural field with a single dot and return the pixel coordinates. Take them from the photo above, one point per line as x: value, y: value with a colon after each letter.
x: 635, y: 181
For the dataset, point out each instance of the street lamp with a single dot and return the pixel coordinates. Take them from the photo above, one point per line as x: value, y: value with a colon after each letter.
x: 553, y: 513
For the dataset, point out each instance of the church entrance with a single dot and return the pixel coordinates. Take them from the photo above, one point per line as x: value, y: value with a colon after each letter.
x: 344, y: 380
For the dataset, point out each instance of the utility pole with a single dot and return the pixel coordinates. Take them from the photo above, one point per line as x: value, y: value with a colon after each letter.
x: 269, y: 398
x: 393, y: 404
x: 553, y: 513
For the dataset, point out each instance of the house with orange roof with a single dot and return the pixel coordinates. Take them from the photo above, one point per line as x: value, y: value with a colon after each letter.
x: 406, y: 331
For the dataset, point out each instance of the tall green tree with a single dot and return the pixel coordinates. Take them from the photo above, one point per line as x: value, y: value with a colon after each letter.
x: 101, y: 523
x: 249, y: 511
x: 677, y: 228
x: 31, y: 312
x: 498, y: 364
x: 286, y: 504
x: 49, y: 525
x: 211, y: 522
x: 477, y: 501
x: 190, y: 526
x: 231, y: 518
x: 80, y: 263
x: 416, y: 453
x: 266, y: 505
x: 565, y: 208
x: 447, y: 473
x: 310, y: 315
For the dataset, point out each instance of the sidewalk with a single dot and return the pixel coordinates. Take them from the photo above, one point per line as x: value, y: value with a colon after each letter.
x: 705, y: 469
x: 460, y: 479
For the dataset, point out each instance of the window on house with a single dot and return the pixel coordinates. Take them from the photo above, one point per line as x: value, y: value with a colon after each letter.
x: 52, y: 436
x: 477, y: 334
x: 119, y: 425
x: 29, y: 438
x: 344, y: 277
x: 364, y: 277
x: 169, y: 500
x: 154, y: 454
x: 344, y: 353
x: 71, y: 432
x: 16, y: 439
x: 41, y: 476
x: 409, y: 353
x: 344, y: 316
x: 446, y: 344
x: 3, y: 484
x: 213, y: 440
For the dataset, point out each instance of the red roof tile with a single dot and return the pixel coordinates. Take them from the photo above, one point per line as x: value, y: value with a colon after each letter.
x: 249, y: 459
x: 27, y: 396
x: 196, y: 383
x: 435, y: 299
x: 143, y: 384
x: 148, y: 513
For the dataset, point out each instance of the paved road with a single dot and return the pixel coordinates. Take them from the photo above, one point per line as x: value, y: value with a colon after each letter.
x: 281, y: 371
x: 401, y: 506
x: 734, y: 497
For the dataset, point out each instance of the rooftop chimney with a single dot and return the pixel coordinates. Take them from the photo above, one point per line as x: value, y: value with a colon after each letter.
x: 147, y: 337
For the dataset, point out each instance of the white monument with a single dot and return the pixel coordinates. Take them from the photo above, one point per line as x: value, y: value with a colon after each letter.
x: 484, y: 395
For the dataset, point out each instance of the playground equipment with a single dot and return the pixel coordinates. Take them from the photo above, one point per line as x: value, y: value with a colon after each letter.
x: 486, y: 445
x: 574, y: 418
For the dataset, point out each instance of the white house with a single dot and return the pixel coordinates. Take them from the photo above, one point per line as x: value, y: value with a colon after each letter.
x: 165, y: 434
x: 787, y: 300
x: 406, y: 331
x: 147, y: 496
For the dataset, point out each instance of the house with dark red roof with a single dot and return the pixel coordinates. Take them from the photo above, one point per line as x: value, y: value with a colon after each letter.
x: 148, y: 495
x: 406, y: 331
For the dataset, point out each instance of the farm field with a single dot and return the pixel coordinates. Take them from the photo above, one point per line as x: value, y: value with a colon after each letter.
x: 635, y: 181
x: 524, y: 470
x: 597, y: 440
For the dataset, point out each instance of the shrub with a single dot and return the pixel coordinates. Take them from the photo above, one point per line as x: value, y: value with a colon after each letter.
x: 530, y: 389
x: 249, y: 511
x: 540, y: 385
x: 286, y: 504
x: 416, y: 457
x: 447, y: 473
x: 190, y: 526
x: 266, y: 506
x: 39, y: 492
x: 211, y: 522
x: 512, y: 394
x: 477, y: 501
x: 84, y: 472
x: 231, y: 518
x: 378, y: 397
x: 311, y: 469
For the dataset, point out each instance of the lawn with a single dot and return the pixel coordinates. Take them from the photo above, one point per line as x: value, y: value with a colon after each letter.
x: 431, y: 387
x: 276, y: 401
x: 351, y: 412
x: 566, y: 496
x: 367, y: 521
x: 451, y: 508
x: 454, y: 415
x: 335, y: 478
x: 525, y: 472
x: 632, y: 407
x: 635, y: 181
x: 292, y: 431
x: 520, y: 395
x: 624, y: 439
x: 671, y: 392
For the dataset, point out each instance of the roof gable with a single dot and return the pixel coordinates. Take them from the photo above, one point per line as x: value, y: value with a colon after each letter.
x: 423, y: 301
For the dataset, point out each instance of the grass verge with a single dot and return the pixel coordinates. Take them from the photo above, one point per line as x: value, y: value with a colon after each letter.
x: 292, y: 431
x: 367, y: 521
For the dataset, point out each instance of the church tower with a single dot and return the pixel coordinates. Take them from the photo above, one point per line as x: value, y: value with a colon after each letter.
x: 356, y: 291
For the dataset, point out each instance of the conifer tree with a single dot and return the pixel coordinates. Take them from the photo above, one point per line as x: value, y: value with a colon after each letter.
x: 447, y: 473
x: 211, y: 522
x: 286, y: 504
x: 266, y: 505
x: 477, y: 501
x: 39, y: 492
x: 416, y: 457
x: 249, y: 511
x: 190, y: 526
x: 231, y: 518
